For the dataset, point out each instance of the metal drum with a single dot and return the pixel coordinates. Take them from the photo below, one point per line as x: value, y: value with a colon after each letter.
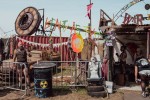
x: 43, y: 79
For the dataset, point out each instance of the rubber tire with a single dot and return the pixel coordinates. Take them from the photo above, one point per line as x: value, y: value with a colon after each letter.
x: 95, y: 88
x: 33, y: 26
x: 98, y: 94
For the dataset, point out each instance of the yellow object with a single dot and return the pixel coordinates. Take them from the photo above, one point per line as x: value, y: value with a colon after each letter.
x: 43, y: 84
x: 77, y: 42
x: 148, y: 17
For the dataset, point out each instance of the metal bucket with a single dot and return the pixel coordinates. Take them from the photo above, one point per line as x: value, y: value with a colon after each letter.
x: 109, y: 86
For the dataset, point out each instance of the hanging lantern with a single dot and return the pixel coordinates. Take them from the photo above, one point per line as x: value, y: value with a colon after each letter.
x: 77, y: 42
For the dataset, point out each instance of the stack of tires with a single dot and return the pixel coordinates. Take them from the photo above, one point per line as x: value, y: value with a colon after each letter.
x: 96, y: 91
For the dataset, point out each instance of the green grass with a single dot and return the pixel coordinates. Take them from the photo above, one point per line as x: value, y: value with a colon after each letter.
x: 66, y: 71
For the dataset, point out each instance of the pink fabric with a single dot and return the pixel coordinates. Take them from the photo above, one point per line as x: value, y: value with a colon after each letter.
x: 89, y: 6
x: 105, y: 68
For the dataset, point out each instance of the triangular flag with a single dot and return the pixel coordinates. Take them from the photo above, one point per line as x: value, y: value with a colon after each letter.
x: 88, y: 14
x: 89, y: 7
x: 47, y: 23
x: 88, y: 10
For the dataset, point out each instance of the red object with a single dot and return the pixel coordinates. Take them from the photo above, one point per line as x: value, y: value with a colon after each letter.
x: 89, y: 15
x: 77, y: 42
x: 45, y: 40
x: 20, y: 43
x: 89, y: 7
x: 132, y: 48
x: 105, y: 68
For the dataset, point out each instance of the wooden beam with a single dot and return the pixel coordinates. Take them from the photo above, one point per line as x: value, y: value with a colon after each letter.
x: 68, y: 27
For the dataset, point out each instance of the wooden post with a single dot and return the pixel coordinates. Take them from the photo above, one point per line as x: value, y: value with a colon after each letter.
x: 61, y: 55
x: 76, y: 68
x: 110, y: 53
x: 110, y: 50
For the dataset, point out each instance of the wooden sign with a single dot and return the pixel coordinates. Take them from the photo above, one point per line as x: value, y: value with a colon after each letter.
x: 137, y: 19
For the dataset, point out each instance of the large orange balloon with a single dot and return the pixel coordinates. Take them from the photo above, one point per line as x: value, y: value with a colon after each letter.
x: 77, y: 42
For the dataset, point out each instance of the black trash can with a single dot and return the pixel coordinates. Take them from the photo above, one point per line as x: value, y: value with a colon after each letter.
x: 43, y: 79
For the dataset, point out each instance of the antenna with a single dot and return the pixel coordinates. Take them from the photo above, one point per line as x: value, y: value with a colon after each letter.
x: 4, y: 33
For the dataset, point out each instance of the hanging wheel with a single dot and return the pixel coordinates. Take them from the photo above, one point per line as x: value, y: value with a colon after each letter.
x: 27, y: 21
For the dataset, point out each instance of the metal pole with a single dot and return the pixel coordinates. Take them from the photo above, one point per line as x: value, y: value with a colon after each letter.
x: 90, y: 21
x: 148, y: 41
x: 43, y: 20
x: 90, y: 16
x: 43, y: 17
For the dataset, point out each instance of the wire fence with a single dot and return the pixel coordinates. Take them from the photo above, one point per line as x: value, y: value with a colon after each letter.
x: 10, y: 72
x: 64, y: 73
x: 69, y: 73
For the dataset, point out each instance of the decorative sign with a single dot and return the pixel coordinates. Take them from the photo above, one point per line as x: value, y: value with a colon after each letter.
x: 111, y: 36
x: 124, y: 9
x: 109, y: 43
x: 137, y: 19
x: 52, y: 24
x: 44, y: 84
x: 131, y: 4
x: 77, y: 42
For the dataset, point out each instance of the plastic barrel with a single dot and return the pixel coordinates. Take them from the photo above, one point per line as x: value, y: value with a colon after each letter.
x: 43, y: 79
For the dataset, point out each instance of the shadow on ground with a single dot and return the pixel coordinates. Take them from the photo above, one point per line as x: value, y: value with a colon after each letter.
x: 61, y: 91
x: 4, y: 92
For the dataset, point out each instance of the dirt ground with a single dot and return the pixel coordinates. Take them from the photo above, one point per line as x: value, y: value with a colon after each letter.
x: 66, y: 94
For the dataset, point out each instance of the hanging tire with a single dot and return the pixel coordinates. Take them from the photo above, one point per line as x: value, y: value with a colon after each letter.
x: 27, y: 21
x: 98, y: 94
x: 95, y: 88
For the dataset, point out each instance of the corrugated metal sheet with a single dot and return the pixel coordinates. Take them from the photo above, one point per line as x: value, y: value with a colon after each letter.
x: 45, y: 40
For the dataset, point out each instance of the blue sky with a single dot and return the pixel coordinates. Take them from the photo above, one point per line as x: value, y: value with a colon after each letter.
x: 71, y: 10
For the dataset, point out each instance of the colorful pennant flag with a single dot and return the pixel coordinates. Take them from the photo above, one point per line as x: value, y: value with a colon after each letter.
x: 47, y: 24
x: 89, y: 7
x: 40, y: 44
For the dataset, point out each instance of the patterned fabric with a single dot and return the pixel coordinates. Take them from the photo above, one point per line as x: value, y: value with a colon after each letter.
x: 143, y: 64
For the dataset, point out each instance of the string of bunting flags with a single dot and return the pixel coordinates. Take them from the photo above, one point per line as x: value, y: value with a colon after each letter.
x: 40, y: 44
